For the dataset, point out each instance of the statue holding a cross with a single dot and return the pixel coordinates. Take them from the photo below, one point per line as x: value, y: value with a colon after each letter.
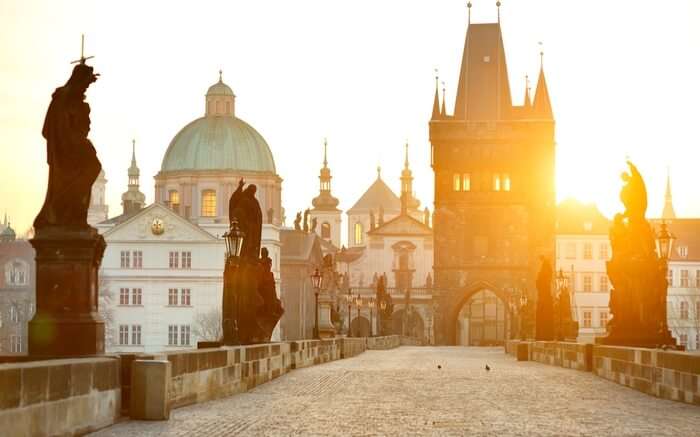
x: 73, y: 163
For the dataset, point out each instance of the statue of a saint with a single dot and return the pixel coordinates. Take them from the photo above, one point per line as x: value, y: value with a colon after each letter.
x: 72, y: 159
x: 314, y: 223
x: 245, y: 208
x: 633, y: 194
x: 270, y: 215
x: 297, y: 222
x: 306, y: 220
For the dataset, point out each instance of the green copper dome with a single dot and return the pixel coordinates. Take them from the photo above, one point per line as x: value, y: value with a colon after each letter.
x: 218, y: 143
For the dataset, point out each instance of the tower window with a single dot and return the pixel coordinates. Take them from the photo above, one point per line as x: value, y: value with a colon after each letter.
x: 326, y: 230
x: 208, y: 203
x: 506, y: 182
x: 496, y: 182
x: 174, y: 199
x: 456, y: 182
x: 358, y: 233
x: 466, y: 182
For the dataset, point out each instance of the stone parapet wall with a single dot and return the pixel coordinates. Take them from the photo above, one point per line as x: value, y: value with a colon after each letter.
x: 383, y: 343
x: 412, y: 341
x: 665, y: 374
x: 310, y: 352
x: 577, y: 356
x: 352, y: 346
x: 59, y: 397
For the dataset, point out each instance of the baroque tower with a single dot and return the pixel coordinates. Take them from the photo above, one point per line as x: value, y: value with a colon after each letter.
x: 133, y: 200
x: 325, y: 210
x: 494, y: 192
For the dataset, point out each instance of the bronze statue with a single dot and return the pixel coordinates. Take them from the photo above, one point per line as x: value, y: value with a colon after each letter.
x: 306, y: 220
x: 633, y: 194
x: 544, y: 322
x: 244, y: 207
x: 72, y: 159
x: 297, y: 222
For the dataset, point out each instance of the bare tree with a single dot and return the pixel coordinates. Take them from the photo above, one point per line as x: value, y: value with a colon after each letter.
x: 687, y: 321
x: 207, y: 326
x: 106, y: 310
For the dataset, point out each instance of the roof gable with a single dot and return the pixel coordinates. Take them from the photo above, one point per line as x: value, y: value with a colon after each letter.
x: 139, y: 227
x: 378, y: 194
x: 402, y: 225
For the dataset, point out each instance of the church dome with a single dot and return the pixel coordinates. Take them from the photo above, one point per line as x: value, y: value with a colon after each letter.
x: 219, y: 140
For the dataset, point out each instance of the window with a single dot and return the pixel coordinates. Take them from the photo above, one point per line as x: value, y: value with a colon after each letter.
x: 326, y: 231
x: 172, y: 296
x: 603, y: 251
x: 697, y: 279
x: 16, y: 273
x: 466, y: 182
x: 136, y: 334
x: 697, y: 341
x: 358, y: 233
x: 16, y: 343
x: 125, y: 259
x: 683, y: 251
x: 186, y: 260
x: 571, y: 250
x: 587, y: 251
x: 683, y: 340
x: 123, y: 334
x: 506, y: 182
x: 208, y: 203
x: 184, y: 335
x: 136, y: 296
x: 669, y: 278
x: 14, y: 314
x: 684, y: 279
x: 174, y: 200
x: 456, y: 182
x: 496, y: 182
x: 185, y: 297
x: 137, y: 260
x: 173, y: 262
x: 587, y: 318
x: 587, y: 283
x: 604, y: 284
x: 604, y: 319
x: 123, y: 296
x: 172, y: 335
x: 684, y: 310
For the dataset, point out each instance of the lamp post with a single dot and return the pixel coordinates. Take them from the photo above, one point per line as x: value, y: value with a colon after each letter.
x: 664, y: 242
x: 371, y: 303
x: 233, y: 239
x: 316, y: 281
x: 349, y: 299
x: 358, y: 303
x: 560, y: 281
x: 382, y: 307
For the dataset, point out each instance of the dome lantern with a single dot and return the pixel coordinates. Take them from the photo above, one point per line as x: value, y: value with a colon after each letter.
x: 220, y: 100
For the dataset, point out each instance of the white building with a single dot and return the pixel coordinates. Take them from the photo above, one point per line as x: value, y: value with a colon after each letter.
x: 163, y: 265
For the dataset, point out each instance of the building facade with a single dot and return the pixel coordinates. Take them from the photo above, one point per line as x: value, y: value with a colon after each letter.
x: 17, y: 291
x: 494, y: 193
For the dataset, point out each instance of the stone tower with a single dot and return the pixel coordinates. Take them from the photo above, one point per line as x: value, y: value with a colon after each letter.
x: 133, y: 200
x: 98, y: 210
x: 494, y: 185
x: 325, y: 210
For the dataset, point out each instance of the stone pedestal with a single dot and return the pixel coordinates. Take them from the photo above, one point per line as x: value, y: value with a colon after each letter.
x: 149, y: 390
x: 325, y: 324
x: 66, y: 323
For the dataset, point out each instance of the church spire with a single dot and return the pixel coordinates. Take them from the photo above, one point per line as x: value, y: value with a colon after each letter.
x: 443, y: 112
x: 133, y: 199
x: 407, y: 199
x: 324, y: 200
x: 528, y: 103
x: 668, y: 212
x: 542, y: 108
x: 436, y: 100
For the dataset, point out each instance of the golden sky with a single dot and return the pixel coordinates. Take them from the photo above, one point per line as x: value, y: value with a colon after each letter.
x: 623, y: 77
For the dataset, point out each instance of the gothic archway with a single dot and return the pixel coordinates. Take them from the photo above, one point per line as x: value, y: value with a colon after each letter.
x: 478, y: 316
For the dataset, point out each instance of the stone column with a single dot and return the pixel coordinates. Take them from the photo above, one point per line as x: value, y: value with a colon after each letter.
x: 66, y: 323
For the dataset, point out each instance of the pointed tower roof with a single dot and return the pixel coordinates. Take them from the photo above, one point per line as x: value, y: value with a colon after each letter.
x: 541, y: 107
x: 443, y: 112
x: 408, y: 201
x: 528, y: 103
x: 378, y: 197
x: 436, y: 102
x: 133, y: 199
x: 324, y: 200
x: 483, y: 92
x: 668, y: 212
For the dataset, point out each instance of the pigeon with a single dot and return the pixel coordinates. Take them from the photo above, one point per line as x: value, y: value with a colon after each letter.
x: 487, y: 368
x: 439, y: 367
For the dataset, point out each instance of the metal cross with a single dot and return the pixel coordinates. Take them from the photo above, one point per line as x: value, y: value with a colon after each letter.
x: 82, y: 52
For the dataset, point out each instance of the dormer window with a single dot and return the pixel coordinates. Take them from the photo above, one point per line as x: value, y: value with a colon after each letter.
x: 683, y: 251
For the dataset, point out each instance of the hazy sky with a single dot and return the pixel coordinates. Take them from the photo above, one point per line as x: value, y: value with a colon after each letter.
x: 623, y: 77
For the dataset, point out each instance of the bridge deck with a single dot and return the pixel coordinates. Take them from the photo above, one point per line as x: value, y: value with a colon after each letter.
x: 402, y: 392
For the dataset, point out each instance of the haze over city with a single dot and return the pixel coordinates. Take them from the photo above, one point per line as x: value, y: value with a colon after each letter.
x: 361, y: 74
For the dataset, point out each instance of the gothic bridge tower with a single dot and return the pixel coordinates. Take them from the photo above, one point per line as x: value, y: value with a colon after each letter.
x: 494, y: 194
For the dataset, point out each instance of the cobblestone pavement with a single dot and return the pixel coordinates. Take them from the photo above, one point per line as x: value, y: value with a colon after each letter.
x: 402, y: 392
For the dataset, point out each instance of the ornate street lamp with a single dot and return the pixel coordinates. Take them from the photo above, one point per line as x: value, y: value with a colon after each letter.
x: 664, y: 242
x: 358, y: 303
x: 349, y: 299
x: 234, y: 241
x: 560, y: 281
x: 371, y: 303
x: 317, y: 282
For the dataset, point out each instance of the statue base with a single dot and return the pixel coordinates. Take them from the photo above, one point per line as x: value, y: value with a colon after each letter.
x: 663, y: 341
x: 67, y: 322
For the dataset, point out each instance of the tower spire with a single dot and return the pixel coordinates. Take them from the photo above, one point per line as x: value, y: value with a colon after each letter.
x: 133, y: 199
x: 668, y: 212
x: 443, y: 112
x: 405, y: 161
x: 528, y: 102
x: 436, y: 100
x: 542, y: 107
x: 469, y: 12
x: 325, y: 153
x: 498, y: 7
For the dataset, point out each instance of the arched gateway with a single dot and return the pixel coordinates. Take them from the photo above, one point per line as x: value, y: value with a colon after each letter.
x: 478, y: 317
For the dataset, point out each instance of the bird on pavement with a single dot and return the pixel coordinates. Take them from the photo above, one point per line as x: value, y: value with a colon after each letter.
x: 487, y: 368
x: 439, y: 367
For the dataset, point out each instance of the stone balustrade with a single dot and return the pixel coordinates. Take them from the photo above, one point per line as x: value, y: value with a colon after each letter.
x: 59, y: 397
x: 383, y: 343
x: 669, y: 375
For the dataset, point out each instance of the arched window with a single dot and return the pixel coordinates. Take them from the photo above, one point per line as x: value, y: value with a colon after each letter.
x: 174, y: 200
x: 16, y: 273
x: 326, y: 230
x: 359, y: 233
x: 466, y: 182
x: 456, y: 182
x: 208, y: 203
